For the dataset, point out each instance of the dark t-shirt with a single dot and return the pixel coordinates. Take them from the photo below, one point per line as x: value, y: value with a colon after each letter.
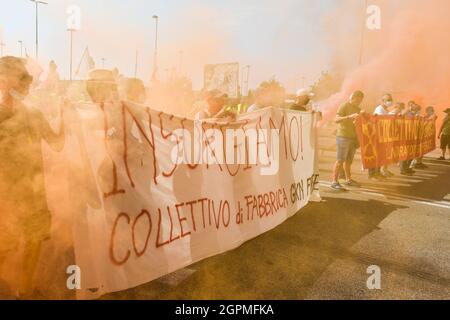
x: 346, y: 128
x: 446, y: 126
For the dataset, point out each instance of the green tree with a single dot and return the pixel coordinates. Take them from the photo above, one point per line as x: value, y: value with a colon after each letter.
x: 273, y: 91
x: 327, y: 85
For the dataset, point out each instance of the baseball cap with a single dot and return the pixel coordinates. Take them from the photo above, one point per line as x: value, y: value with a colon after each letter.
x: 304, y: 92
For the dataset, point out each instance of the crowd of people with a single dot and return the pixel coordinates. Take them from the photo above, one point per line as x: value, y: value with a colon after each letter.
x: 217, y: 104
x: 26, y: 218
x: 347, y: 141
x: 25, y: 213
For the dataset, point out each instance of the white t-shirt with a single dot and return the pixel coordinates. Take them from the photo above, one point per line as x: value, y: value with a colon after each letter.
x: 380, y: 111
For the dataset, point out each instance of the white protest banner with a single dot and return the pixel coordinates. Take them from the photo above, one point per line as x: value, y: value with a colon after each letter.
x: 139, y: 215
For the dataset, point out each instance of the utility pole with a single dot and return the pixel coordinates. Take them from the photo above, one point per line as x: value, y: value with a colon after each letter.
x: 248, y: 78
x: 71, y: 30
x: 2, y: 45
x: 37, y: 3
x: 155, y: 56
x: 242, y: 81
x: 21, y: 48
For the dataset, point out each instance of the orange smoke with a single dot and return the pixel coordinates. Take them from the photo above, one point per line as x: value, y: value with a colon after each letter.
x: 408, y: 57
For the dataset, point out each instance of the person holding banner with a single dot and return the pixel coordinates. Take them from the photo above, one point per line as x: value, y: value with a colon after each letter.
x: 25, y: 215
x: 417, y: 162
x: 398, y: 109
x: 262, y: 100
x: 382, y: 110
x: 303, y: 99
x: 346, y: 139
x: 216, y: 108
x: 444, y: 134
x: 405, y: 166
x: 133, y: 89
x: 429, y: 115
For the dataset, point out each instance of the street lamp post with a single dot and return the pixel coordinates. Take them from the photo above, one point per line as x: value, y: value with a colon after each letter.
x: 2, y: 45
x: 242, y: 81
x: 21, y: 48
x: 248, y: 78
x: 37, y: 3
x: 155, y: 57
x: 71, y: 30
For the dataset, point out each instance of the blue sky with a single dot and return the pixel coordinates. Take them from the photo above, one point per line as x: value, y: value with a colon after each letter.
x: 284, y: 38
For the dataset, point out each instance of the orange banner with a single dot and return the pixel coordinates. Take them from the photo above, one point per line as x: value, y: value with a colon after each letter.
x: 388, y: 139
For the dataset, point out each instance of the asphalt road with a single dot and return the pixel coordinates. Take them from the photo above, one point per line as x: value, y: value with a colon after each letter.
x: 401, y: 225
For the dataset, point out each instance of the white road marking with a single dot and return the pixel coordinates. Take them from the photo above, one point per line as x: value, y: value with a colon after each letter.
x: 418, y: 200
x: 433, y: 204
x: 373, y: 194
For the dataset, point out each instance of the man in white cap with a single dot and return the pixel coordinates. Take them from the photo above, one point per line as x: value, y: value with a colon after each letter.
x: 303, y: 98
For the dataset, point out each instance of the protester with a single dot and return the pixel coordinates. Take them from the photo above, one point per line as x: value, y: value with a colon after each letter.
x: 418, y: 110
x: 430, y: 113
x: 444, y: 134
x: 262, y: 100
x: 215, y: 108
x: 431, y: 116
x: 133, y: 90
x: 398, y: 109
x: 346, y: 139
x: 25, y: 215
x: 417, y: 162
x: 303, y: 98
x: 381, y: 110
x: 405, y: 166
x: 101, y: 86
x: 51, y: 83
x: 412, y: 109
